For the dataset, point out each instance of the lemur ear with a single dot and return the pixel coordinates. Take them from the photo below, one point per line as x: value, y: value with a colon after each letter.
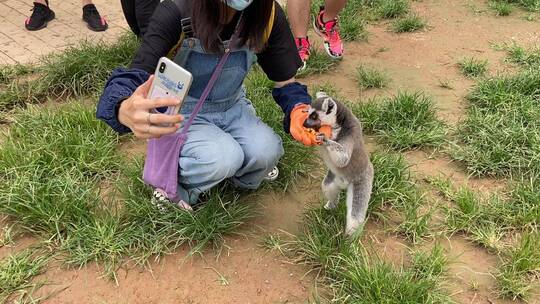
x: 321, y: 94
x: 328, y: 105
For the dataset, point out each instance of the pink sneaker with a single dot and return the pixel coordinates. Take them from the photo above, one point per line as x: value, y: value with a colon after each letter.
x: 303, y: 46
x: 329, y: 31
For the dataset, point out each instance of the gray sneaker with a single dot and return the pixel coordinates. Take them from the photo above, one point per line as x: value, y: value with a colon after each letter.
x: 272, y: 175
x: 160, y: 201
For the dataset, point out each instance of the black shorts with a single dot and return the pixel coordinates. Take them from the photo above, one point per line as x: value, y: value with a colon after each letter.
x: 138, y: 13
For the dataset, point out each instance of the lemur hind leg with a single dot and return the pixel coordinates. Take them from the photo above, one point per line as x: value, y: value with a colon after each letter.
x: 331, y: 189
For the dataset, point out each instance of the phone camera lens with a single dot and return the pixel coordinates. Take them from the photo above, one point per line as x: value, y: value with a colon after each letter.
x: 162, y: 67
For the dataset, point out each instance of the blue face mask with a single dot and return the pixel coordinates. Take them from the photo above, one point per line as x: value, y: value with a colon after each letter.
x: 238, y: 5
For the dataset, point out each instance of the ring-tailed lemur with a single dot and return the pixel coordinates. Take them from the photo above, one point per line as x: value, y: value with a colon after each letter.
x: 347, y: 160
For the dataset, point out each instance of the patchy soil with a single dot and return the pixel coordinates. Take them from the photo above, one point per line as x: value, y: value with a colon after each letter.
x: 244, y: 272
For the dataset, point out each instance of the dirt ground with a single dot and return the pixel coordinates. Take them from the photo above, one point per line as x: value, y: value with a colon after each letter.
x: 244, y: 272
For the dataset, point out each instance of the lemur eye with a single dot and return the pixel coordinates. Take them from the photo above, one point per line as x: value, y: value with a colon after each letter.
x: 313, y: 115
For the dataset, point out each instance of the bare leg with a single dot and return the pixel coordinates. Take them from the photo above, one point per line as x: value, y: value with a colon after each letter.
x: 331, y: 190
x: 299, y: 11
x: 332, y: 9
x: 358, y: 195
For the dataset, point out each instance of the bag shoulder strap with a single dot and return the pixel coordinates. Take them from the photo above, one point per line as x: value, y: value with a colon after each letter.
x: 184, y: 6
x: 270, y: 25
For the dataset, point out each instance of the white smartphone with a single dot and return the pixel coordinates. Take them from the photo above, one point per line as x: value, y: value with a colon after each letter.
x: 170, y: 80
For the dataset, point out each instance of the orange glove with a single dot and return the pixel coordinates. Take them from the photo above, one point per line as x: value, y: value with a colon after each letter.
x: 308, y: 137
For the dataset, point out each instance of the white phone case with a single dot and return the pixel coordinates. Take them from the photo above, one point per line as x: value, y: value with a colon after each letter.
x: 170, y: 80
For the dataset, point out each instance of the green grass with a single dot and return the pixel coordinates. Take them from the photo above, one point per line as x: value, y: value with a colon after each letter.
x: 319, y: 63
x: 10, y: 72
x: 410, y: 23
x: 523, y: 57
x: 357, y: 12
x: 392, y: 185
x: 489, y: 220
x: 404, y: 121
x: 519, y: 267
x: 387, y: 9
x: 50, y: 166
x: 78, y: 71
x: 369, y: 77
x: 364, y: 278
x: 17, y: 271
x: 18, y: 94
x: 54, y: 166
x: 7, y: 236
x: 530, y: 17
x: 355, y: 274
x: 500, y: 134
x: 158, y: 233
x: 501, y: 8
x: 274, y: 242
x: 430, y: 264
x: 352, y: 19
x: 139, y: 232
x: 394, y: 189
x: 472, y: 67
x: 84, y: 68
x: 352, y: 23
x: 529, y: 5
x: 328, y: 88
x: 65, y: 138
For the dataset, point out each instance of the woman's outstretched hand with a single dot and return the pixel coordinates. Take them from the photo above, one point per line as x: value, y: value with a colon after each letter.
x: 137, y: 113
x: 306, y: 136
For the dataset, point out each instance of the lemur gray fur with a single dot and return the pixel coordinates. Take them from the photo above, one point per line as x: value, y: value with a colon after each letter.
x: 345, y: 156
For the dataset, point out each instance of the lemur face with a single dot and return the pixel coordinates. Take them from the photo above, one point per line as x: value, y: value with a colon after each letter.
x: 322, y: 112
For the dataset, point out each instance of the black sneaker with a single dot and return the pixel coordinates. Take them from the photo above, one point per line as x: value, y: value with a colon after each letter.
x: 41, y: 15
x: 91, y: 16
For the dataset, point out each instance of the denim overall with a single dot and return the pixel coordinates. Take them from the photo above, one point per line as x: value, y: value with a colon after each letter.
x: 226, y: 140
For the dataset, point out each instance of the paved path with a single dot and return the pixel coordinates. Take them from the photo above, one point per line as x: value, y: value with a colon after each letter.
x: 19, y: 45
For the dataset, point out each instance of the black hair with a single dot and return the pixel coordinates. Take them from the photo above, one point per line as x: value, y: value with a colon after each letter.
x: 210, y: 18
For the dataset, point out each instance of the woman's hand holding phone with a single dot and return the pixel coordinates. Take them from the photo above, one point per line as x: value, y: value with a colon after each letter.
x: 137, y: 113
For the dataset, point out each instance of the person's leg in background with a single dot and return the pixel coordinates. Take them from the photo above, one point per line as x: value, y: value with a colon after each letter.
x: 332, y: 9
x: 298, y: 12
x: 326, y: 25
x: 138, y: 13
x: 144, y: 10
x: 42, y: 14
x: 92, y: 17
x: 128, y: 8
